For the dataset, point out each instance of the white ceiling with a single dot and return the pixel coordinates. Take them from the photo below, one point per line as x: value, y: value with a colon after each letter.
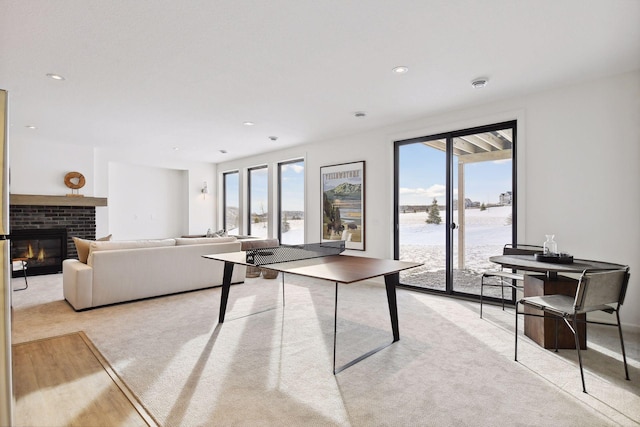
x: 154, y: 75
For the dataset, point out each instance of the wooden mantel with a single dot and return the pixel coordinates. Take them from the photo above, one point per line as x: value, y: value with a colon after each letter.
x: 38, y: 200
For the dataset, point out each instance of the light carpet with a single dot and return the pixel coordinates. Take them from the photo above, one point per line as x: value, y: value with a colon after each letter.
x: 274, y: 368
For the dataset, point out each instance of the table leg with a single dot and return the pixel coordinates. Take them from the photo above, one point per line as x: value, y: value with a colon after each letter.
x: 226, y: 284
x: 335, y: 328
x: 390, y: 283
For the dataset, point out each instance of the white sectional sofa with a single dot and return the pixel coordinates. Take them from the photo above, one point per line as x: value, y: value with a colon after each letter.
x: 118, y: 271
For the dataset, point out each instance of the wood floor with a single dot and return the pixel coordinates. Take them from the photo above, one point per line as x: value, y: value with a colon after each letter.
x: 65, y: 381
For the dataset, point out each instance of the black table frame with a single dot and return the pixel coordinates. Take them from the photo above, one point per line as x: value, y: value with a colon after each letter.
x: 391, y: 280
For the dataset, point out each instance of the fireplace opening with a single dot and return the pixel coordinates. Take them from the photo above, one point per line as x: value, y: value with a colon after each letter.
x: 42, y: 249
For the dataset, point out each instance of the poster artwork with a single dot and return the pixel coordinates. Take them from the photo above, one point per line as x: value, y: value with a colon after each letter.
x: 342, y: 204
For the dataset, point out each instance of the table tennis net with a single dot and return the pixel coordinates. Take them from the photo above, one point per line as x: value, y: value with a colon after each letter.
x: 285, y: 253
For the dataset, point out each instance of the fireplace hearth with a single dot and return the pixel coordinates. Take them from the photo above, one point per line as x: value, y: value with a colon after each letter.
x: 42, y: 249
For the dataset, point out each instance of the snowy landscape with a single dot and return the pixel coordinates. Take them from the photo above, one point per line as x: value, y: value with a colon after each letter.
x: 486, y: 232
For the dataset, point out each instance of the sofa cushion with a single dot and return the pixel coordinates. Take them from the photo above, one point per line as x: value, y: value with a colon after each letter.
x: 82, y: 246
x: 180, y: 241
x: 127, y: 244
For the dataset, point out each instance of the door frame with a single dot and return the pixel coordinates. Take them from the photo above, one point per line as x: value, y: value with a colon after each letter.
x: 449, y: 180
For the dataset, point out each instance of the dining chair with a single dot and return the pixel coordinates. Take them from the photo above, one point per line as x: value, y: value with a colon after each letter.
x: 506, y: 278
x: 597, y: 291
x: 20, y: 265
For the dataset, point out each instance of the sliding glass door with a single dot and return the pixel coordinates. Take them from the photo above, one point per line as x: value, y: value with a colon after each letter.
x: 455, y: 195
x: 483, y: 207
x: 421, y: 225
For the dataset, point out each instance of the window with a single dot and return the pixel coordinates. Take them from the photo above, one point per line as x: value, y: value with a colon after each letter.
x: 258, y: 209
x: 291, y: 202
x: 231, y: 204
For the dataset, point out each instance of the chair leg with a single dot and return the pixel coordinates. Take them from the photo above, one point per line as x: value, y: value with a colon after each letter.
x: 502, y: 291
x: 481, y: 292
x: 557, y: 334
x: 26, y: 284
x: 624, y: 356
x: 574, y: 329
x: 24, y: 272
x: 515, y: 356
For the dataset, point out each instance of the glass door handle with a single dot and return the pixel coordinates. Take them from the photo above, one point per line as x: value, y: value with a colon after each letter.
x: 454, y: 225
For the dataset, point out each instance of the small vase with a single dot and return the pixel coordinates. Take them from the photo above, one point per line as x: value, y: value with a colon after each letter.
x: 550, y: 246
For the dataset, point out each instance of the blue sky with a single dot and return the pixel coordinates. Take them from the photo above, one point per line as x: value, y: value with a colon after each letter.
x: 259, y: 191
x: 292, y: 197
x: 422, y: 177
x: 292, y: 189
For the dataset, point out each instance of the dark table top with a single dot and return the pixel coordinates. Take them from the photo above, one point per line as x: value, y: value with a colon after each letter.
x: 528, y: 263
x: 336, y: 268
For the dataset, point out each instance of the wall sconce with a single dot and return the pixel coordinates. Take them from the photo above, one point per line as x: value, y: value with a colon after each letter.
x: 204, y: 190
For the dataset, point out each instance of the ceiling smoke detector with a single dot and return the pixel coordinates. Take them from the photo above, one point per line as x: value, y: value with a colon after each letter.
x: 479, y: 83
x: 273, y: 138
x: 360, y: 114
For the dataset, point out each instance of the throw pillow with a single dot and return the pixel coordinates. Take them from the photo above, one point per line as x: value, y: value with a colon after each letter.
x: 127, y: 244
x: 82, y: 246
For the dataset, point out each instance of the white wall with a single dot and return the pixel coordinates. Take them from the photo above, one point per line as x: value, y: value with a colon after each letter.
x: 146, y: 202
x: 198, y: 210
x: 40, y: 168
x: 578, y: 171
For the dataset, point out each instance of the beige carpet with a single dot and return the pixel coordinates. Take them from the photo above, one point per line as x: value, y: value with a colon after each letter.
x: 274, y: 368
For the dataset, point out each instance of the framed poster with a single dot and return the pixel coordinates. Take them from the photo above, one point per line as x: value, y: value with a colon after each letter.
x: 342, y: 189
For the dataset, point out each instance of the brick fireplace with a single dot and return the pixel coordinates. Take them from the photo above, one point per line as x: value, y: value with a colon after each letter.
x: 51, y: 215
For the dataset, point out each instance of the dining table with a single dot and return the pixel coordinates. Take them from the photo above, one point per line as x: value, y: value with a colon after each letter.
x: 547, y: 278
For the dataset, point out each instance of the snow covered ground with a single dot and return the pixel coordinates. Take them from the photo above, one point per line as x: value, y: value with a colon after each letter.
x: 485, y: 233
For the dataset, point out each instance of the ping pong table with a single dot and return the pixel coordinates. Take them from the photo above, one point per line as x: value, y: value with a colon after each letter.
x: 319, y: 261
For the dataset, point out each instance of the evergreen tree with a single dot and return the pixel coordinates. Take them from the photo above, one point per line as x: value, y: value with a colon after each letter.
x: 483, y: 207
x: 434, y: 213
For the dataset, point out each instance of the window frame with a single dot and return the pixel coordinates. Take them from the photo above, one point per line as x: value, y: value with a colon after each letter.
x: 224, y: 199
x: 279, y: 198
x: 249, y: 209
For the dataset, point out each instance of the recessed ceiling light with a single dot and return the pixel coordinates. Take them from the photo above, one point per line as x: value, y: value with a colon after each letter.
x: 479, y: 82
x: 248, y: 123
x: 55, y: 76
x: 176, y: 148
x: 400, y: 69
x: 30, y: 127
x: 360, y: 114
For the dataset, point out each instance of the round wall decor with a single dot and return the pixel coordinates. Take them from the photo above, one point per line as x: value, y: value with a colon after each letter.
x: 74, y: 180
